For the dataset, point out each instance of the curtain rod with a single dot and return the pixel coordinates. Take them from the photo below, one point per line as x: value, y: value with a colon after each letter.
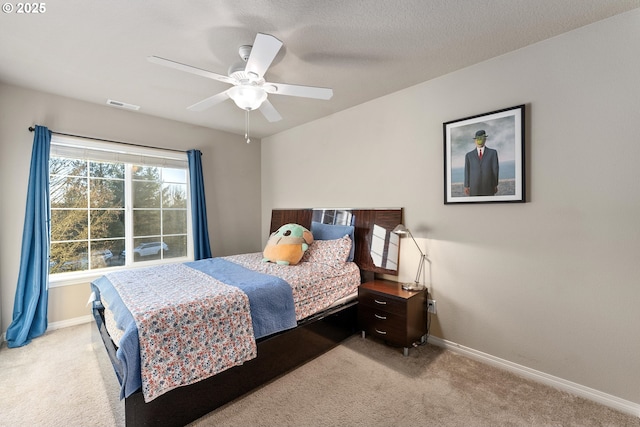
x: 32, y: 129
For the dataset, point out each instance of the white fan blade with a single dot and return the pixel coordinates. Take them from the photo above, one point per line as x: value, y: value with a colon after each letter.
x: 209, y: 102
x: 189, y: 69
x: 264, y: 50
x: 269, y: 112
x: 297, y: 90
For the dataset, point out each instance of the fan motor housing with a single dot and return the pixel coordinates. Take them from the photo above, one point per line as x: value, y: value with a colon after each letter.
x: 244, y: 51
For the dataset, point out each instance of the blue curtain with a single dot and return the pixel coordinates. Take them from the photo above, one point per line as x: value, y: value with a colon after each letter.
x: 201, y: 246
x: 30, y: 305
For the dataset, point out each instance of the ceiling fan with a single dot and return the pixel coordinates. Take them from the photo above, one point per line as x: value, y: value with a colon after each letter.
x: 250, y: 90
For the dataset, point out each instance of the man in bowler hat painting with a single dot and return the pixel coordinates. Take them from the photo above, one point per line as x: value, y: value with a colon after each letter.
x: 481, y: 168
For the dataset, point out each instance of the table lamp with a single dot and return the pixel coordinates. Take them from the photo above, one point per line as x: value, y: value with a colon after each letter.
x: 401, y: 230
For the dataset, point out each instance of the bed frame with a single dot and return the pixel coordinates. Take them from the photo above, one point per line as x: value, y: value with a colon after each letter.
x: 277, y: 354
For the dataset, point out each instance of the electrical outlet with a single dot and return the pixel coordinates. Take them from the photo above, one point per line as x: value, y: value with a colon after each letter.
x: 431, y: 306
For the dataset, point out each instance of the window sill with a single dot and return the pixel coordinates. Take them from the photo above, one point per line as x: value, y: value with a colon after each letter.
x: 82, y: 277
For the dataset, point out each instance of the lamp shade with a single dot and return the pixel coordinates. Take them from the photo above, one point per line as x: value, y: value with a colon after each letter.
x: 247, y: 97
x: 401, y: 229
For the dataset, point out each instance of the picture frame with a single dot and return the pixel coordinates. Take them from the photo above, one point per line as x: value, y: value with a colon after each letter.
x: 497, y: 176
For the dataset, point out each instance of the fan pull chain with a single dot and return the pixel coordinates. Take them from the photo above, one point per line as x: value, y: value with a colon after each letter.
x: 246, y: 132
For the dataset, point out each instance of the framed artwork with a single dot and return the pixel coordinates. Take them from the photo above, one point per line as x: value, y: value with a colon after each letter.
x: 484, y: 158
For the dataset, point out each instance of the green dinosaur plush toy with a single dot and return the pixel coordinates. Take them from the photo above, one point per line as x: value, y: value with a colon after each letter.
x: 287, y: 244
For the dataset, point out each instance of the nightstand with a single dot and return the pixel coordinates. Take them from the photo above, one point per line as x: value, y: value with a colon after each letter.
x: 387, y: 311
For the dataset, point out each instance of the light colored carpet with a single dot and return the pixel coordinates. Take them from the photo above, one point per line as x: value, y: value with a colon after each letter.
x: 56, y: 381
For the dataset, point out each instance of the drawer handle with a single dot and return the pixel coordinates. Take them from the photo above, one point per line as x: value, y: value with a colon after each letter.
x: 381, y: 332
x: 380, y: 302
x: 380, y: 317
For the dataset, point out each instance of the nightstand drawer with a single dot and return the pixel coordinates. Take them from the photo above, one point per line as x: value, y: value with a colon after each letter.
x: 383, y: 302
x: 388, y: 326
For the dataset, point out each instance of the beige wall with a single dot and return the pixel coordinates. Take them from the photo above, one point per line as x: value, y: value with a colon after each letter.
x: 551, y: 284
x: 231, y: 171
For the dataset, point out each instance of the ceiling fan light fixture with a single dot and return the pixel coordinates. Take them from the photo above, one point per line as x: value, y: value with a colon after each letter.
x: 250, y: 90
x: 247, y: 97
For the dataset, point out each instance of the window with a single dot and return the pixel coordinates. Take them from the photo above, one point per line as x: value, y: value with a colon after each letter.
x: 115, y: 206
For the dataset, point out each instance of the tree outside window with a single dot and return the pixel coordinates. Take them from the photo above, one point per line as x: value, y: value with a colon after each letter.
x: 102, y: 211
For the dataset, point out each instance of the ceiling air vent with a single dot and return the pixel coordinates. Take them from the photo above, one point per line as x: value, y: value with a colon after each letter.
x: 123, y: 105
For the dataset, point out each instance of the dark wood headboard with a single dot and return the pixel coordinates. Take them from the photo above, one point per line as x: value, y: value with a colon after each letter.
x: 365, y: 219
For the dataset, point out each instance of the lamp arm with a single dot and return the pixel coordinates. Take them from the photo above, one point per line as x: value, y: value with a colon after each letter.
x: 422, y: 259
x: 420, y: 268
x: 414, y: 241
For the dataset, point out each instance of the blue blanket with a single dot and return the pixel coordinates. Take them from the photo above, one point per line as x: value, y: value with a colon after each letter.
x: 270, y: 299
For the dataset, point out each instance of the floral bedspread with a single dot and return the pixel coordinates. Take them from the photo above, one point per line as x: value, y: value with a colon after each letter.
x: 315, y: 285
x: 203, y: 324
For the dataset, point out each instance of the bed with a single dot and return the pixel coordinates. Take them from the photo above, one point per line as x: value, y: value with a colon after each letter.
x: 248, y: 350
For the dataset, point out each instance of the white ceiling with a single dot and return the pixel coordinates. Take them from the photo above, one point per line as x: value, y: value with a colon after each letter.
x: 95, y: 50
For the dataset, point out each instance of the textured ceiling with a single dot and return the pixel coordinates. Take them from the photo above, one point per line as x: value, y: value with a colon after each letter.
x: 95, y: 50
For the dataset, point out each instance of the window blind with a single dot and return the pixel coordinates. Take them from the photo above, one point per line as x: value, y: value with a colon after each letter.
x: 88, y: 149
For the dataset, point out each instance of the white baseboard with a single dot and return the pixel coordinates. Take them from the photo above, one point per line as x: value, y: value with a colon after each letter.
x: 605, y: 399
x: 69, y: 322
x: 57, y: 325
